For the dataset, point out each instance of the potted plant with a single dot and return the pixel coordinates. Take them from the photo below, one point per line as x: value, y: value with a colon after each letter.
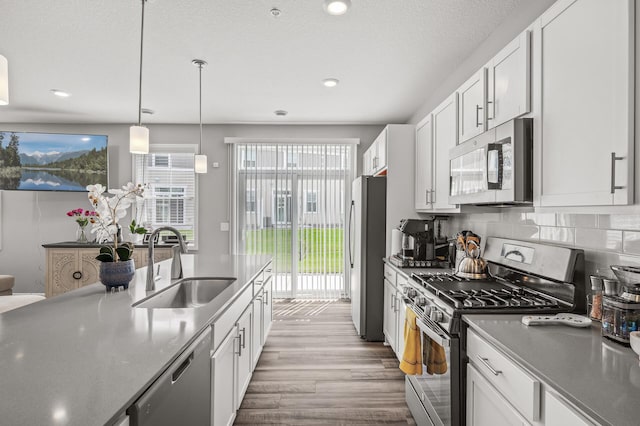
x: 117, y: 267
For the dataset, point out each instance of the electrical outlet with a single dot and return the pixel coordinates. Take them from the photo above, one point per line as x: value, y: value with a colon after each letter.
x: 224, y: 226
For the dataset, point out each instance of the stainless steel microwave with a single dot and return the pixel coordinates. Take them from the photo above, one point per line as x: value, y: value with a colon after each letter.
x: 495, y: 167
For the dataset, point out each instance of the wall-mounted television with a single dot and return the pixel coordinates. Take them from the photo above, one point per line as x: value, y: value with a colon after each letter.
x: 52, y: 161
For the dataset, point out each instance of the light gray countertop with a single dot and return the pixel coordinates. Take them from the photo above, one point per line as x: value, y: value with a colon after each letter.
x: 597, y: 375
x: 85, y: 356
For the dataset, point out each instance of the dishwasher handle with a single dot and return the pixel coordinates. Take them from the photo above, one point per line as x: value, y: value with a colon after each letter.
x: 175, y: 376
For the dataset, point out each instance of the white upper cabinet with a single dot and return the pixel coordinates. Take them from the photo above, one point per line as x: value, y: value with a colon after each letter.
x: 445, y: 137
x: 584, y: 76
x: 508, y: 82
x: 374, y: 159
x: 471, y: 107
x: 424, y: 162
x: 435, y: 136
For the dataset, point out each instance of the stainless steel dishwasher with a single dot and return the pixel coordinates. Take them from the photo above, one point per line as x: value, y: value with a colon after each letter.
x: 182, y: 394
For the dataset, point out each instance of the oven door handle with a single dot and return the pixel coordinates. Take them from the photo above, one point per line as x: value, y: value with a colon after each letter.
x: 433, y: 335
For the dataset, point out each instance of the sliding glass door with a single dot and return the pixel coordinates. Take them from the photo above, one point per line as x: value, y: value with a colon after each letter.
x: 290, y: 203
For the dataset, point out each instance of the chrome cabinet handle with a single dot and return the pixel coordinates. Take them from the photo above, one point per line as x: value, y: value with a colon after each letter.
x: 613, y: 172
x: 432, y: 198
x: 266, y: 298
x: 485, y: 361
x: 239, y: 345
x: 244, y: 337
x: 478, y: 123
x: 491, y: 106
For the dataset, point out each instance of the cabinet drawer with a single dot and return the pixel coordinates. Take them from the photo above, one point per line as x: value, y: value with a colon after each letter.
x: 390, y: 274
x: 522, y: 390
x: 401, y: 279
x: 221, y: 327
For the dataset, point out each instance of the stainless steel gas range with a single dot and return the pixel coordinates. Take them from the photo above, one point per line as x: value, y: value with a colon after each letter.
x: 525, y: 277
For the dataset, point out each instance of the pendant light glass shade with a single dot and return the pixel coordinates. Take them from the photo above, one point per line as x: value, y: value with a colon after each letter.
x: 138, y: 135
x: 200, y: 160
x: 138, y: 140
x: 200, y: 163
x: 4, y: 81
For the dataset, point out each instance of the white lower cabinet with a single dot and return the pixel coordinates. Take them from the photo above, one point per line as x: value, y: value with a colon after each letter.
x: 267, y: 310
x: 557, y: 413
x: 401, y: 317
x: 245, y: 366
x: 223, y: 381
x: 486, y: 406
x: 256, y: 336
x: 389, y: 321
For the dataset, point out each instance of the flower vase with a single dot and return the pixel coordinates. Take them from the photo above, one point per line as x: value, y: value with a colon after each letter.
x: 117, y: 274
x: 81, y: 236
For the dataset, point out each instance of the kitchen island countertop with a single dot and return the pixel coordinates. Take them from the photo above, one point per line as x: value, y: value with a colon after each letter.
x: 85, y: 356
x: 600, y: 377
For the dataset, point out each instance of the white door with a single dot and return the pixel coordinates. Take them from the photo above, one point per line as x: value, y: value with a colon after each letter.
x: 267, y: 310
x: 584, y: 152
x: 486, y: 406
x: 445, y: 119
x: 424, y: 162
x: 402, y: 316
x: 389, y: 319
x: 472, y: 96
x: 223, y: 381
x: 508, y: 82
x: 244, y: 327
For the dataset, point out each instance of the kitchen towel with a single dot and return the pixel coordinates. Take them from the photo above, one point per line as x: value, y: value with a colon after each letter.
x: 411, y: 356
x: 434, y: 356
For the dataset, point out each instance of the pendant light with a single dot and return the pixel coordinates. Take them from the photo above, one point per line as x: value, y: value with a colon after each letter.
x: 139, y: 135
x: 4, y: 81
x: 200, y: 161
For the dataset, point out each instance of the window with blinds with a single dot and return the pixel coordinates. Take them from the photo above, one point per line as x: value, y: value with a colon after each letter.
x: 171, y: 195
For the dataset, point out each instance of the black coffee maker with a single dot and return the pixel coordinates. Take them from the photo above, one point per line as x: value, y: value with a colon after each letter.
x: 423, y: 233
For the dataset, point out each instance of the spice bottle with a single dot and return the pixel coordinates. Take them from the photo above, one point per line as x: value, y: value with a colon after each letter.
x: 594, y: 299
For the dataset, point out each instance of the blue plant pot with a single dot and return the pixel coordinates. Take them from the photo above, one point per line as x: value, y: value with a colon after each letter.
x: 117, y: 274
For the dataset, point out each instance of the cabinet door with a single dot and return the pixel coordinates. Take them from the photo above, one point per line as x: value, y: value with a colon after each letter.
x: 61, y: 266
x: 471, y: 110
x: 389, y: 319
x: 585, y: 60
x: 424, y: 161
x: 557, y: 413
x: 256, y: 335
x: 508, y: 76
x: 89, y: 267
x: 381, y: 151
x: 245, y: 366
x: 267, y: 310
x: 223, y: 381
x: 445, y: 119
x: 487, y: 407
x: 367, y: 161
x: 402, y: 316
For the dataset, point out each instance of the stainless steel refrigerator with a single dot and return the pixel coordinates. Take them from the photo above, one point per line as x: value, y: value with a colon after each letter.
x: 367, y: 219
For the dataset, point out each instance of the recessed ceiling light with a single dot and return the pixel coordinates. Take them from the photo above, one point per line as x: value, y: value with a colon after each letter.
x: 330, y: 82
x: 280, y: 113
x: 336, y: 7
x: 60, y: 93
x: 275, y: 12
x: 147, y: 111
x: 85, y: 139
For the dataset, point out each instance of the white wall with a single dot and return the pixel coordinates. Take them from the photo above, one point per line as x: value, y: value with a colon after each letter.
x: 30, y: 219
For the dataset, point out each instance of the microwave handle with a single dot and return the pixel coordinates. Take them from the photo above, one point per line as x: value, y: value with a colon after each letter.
x: 495, y: 147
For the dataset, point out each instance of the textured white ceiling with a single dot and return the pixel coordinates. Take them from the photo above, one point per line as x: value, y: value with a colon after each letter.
x: 389, y: 55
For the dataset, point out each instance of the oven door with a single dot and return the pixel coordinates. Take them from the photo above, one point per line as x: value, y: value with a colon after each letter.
x: 437, y: 394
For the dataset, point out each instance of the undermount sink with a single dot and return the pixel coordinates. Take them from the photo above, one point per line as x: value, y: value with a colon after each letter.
x: 187, y: 293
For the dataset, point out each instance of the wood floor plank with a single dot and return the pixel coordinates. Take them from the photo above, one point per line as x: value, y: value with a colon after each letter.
x: 315, y: 370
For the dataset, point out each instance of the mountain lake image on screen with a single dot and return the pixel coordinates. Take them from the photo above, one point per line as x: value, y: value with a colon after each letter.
x: 52, y: 161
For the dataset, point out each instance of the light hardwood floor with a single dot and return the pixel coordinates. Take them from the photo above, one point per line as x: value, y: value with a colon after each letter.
x: 314, y: 370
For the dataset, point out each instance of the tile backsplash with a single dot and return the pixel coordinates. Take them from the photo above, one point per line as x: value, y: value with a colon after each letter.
x: 605, y: 239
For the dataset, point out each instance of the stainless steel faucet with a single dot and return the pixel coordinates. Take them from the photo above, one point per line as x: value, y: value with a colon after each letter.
x: 176, y: 263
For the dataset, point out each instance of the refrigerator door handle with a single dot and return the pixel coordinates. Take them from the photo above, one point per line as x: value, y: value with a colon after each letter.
x: 350, y: 230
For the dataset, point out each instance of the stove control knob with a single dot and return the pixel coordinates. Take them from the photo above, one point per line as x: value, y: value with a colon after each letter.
x: 411, y: 293
x: 421, y: 301
x: 436, y: 316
